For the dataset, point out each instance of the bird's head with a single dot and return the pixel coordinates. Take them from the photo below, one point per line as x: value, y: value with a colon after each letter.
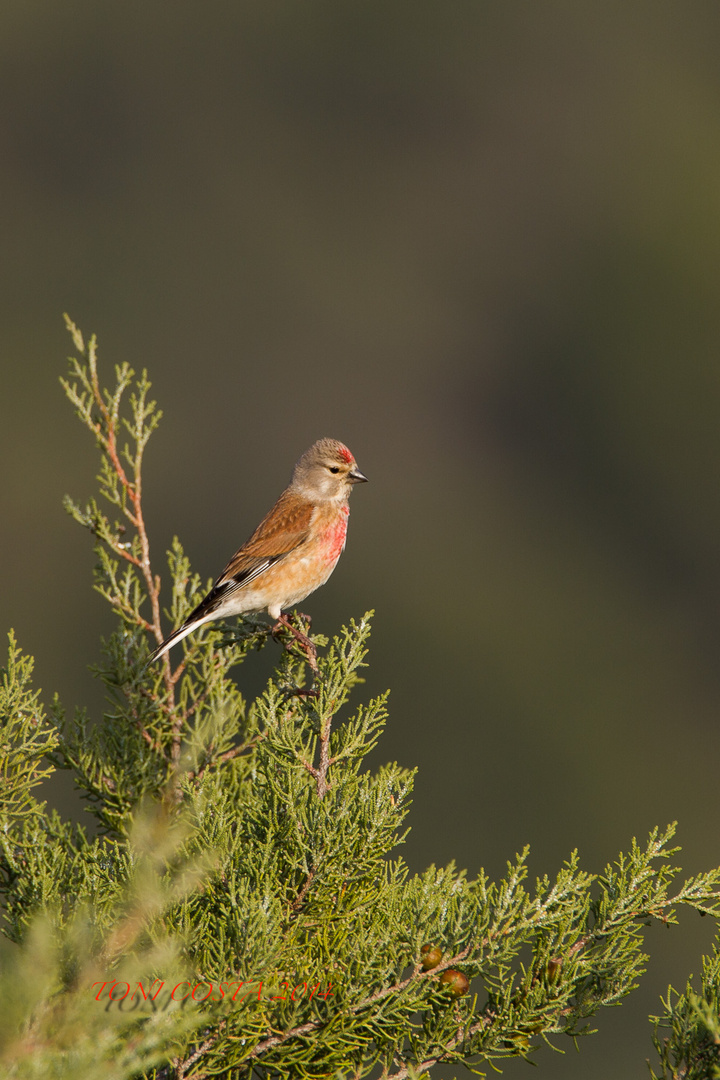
x: 327, y: 471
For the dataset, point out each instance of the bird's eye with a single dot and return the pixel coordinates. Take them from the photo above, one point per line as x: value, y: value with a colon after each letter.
x: 334, y: 468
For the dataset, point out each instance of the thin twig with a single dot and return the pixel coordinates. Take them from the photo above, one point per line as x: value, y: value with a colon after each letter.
x: 181, y: 1067
x: 313, y: 1025
x: 298, y: 901
x: 372, y: 999
x: 227, y: 756
x: 319, y: 773
x: 133, y: 490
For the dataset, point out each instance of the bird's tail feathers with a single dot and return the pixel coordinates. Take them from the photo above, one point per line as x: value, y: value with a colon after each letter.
x: 178, y: 635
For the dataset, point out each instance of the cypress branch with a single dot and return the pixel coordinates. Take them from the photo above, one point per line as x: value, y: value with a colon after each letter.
x: 242, y: 909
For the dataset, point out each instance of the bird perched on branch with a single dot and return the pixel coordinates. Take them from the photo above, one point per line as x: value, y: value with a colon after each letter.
x: 293, y: 551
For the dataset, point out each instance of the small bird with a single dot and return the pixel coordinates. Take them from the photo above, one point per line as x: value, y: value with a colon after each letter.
x: 293, y: 551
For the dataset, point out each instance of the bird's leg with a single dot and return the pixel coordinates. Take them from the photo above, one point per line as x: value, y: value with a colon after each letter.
x: 302, y: 639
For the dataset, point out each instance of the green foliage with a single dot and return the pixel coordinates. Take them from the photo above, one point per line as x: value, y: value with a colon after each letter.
x: 244, y: 861
x: 53, y: 1021
x: 687, y: 1034
x: 27, y: 737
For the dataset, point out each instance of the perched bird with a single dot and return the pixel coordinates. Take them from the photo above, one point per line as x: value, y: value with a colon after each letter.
x: 292, y: 552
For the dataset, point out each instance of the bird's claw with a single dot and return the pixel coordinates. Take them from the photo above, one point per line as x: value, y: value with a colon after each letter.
x: 307, y: 646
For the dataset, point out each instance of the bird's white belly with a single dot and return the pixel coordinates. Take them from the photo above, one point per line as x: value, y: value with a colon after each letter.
x: 286, y: 583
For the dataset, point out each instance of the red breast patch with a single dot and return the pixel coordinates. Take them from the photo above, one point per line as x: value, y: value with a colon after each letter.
x: 335, y: 536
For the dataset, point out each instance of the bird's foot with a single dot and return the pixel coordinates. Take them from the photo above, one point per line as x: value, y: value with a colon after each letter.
x: 302, y: 639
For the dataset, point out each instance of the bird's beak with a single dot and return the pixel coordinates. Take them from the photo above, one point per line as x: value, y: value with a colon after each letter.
x: 356, y: 477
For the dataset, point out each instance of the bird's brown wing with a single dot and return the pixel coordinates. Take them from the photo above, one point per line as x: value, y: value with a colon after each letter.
x: 281, y: 531
x: 284, y: 529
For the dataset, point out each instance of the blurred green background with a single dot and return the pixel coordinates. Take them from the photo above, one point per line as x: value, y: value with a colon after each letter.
x: 480, y: 243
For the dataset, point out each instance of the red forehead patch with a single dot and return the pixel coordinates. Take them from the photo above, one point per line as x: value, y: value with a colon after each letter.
x: 345, y: 453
